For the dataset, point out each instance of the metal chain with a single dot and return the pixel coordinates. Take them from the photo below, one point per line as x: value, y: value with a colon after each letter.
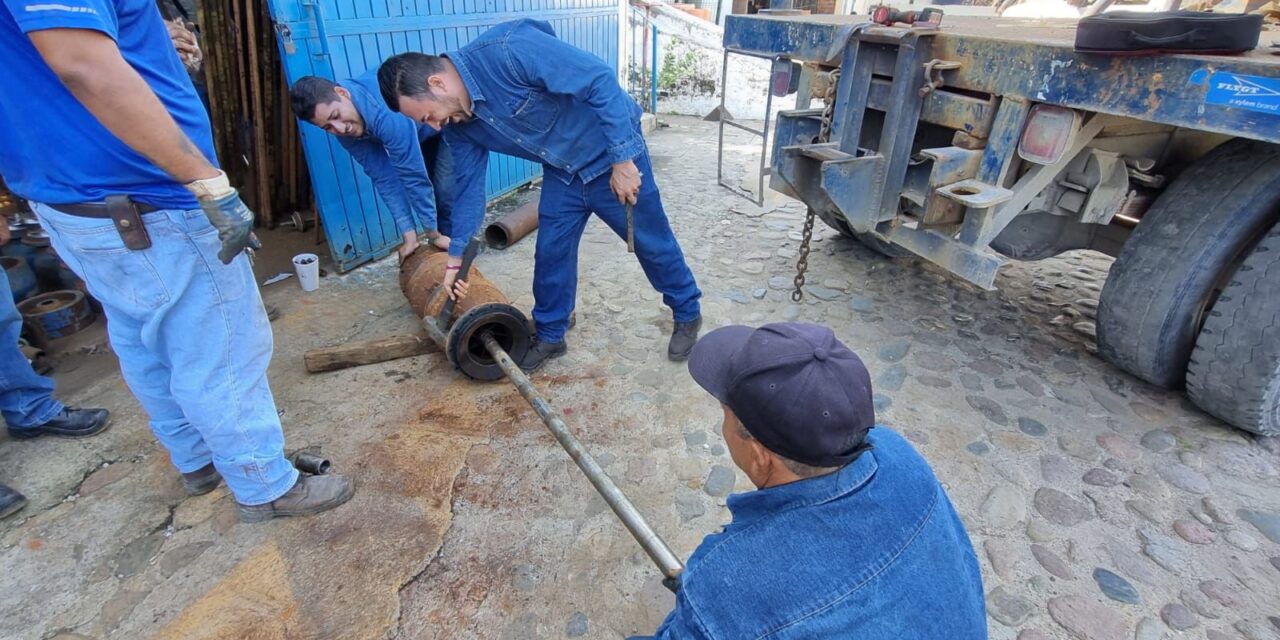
x: 824, y: 135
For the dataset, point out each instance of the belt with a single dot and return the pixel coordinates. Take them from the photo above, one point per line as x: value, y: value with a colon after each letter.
x: 96, y: 209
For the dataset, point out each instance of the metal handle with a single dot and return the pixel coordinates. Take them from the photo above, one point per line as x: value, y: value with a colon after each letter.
x: 446, y: 312
x: 631, y: 231
x: 658, y: 551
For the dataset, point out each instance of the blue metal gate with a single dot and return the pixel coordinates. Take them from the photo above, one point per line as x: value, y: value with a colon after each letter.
x: 340, y: 39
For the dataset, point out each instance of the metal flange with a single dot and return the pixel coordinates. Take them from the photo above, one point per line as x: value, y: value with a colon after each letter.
x: 58, y: 313
x: 465, y: 343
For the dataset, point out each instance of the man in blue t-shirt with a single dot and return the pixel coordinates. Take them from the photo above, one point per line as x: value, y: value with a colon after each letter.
x: 396, y: 153
x: 849, y: 534
x: 101, y: 130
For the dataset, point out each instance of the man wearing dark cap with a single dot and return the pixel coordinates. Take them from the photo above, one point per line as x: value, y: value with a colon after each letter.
x: 849, y: 535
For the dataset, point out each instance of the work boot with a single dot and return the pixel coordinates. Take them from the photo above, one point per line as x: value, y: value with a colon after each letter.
x: 683, y: 337
x: 541, y: 352
x: 10, y: 501
x: 201, y: 481
x: 311, y: 495
x: 71, y: 423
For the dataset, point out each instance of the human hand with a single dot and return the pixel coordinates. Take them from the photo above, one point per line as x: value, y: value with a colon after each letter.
x: 409, y: 245
x: 457, y: 289
x: 234, y: 222
x: 625, y: 182
x: 185, y: 43
x: 227, y: 213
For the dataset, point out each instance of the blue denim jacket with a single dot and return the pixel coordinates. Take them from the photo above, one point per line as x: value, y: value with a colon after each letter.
x: 539, y: 98
x: 391, y: 153
x: 874, y: 551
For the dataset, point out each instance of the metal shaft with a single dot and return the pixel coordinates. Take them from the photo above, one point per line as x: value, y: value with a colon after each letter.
x: 653, y: 545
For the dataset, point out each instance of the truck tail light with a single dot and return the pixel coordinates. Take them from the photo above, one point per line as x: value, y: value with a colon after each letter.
x: 1048, y: 133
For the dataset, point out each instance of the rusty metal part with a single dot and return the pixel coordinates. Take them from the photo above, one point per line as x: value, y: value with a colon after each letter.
x: 653, y: 545
x: 58, y: 313
x: 509, y: 229
x: 313, y: 464
x: 484, y: 309
x: 420, y: 277
x: 933, y: 74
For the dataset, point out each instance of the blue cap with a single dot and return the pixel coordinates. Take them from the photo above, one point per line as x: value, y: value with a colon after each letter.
x: 795, y: 387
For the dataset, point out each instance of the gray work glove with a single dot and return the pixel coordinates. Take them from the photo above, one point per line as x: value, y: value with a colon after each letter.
x: 228, y: 214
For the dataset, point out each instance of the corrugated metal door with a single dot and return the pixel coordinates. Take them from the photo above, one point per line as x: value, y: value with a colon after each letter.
x: 341, y: 39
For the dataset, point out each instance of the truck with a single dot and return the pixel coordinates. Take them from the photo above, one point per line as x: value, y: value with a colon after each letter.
x: 979, y: 140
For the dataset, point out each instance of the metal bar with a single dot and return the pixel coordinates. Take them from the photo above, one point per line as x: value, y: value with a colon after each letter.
x: 724, y: 91
x: 658, y: 551
x: 764, y: 145
x: 653, y: 75
x: 745, y: 127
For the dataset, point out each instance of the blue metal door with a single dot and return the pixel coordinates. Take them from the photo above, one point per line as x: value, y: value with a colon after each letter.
x: 340, y: 39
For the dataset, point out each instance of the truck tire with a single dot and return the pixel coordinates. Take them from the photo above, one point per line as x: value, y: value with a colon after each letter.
x: 886, y: 249
x: 1171, y: 267
x: 1234, y: 372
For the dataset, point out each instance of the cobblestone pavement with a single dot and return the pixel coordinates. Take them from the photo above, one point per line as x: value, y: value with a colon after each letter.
x: 1100, y: 507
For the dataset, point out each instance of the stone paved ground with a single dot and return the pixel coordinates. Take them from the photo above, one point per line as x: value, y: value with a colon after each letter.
x: 1099, y: 507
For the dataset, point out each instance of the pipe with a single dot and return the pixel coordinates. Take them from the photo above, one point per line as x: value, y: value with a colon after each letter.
x: 653, y: 75
x: 484, y: 340
x: 658, y: 551
x: 312, y: 464
x: 509, y: 229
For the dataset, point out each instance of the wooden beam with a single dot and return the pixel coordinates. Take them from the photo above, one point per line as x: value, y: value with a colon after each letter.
x: 354, y: 354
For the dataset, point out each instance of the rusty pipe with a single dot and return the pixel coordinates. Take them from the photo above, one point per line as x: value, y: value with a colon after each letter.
x: 509, y: 229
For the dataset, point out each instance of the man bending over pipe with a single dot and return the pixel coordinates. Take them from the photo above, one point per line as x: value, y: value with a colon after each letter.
x: 408, y: 163
x: 518, y: 90
x: 850, y: 535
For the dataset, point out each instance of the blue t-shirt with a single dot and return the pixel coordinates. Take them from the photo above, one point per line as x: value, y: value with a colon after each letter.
x: 52, y: 150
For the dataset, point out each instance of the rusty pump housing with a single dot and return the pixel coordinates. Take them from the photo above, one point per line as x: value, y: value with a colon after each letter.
x: 460, y: 333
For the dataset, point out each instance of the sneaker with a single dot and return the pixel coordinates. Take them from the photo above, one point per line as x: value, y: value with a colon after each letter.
x: 683, y: 337
x: 71, y: 423
x: 311, y: 495
x: 201, y: 481
x: 10, y: 501
x: 541, y: 352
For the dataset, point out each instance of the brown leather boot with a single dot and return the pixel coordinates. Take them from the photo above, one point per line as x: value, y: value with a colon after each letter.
x: 311, y: 495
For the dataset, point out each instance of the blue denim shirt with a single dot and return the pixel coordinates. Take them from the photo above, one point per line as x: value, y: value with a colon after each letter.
x: 391, y: 153
x: 874, y: 551
x: 539, y: 98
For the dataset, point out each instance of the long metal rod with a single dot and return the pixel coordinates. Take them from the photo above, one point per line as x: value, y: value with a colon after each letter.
x: 653, y: 545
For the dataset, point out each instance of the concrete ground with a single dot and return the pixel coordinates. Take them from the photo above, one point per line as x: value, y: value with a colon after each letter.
x: 1099, y: 506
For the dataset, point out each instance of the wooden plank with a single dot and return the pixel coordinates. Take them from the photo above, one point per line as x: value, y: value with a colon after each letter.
x: 354, y: 354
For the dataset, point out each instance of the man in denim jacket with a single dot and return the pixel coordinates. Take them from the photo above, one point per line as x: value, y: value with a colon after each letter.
x: 408, y: 164
x: 518, y: 90
x: 849, y: 535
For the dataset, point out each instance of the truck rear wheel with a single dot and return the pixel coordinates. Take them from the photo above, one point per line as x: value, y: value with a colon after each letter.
x: 1234, y: 372
x: 1170, y: 268
x: 886, y: 249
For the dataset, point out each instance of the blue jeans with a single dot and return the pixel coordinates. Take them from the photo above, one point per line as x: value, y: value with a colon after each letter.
x: 439, y: 161
x: 26, y: 399
x: 193, y: 341
x: 563, y: 212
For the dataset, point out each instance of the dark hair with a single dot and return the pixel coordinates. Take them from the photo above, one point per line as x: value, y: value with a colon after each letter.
x: 310, y: 92
x: 406, y: 75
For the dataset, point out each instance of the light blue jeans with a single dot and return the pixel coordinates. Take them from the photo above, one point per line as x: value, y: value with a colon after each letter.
x: 26, y: 399
x: 193, y: 341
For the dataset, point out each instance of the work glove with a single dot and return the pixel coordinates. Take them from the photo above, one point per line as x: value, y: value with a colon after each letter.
x: 228, y: 214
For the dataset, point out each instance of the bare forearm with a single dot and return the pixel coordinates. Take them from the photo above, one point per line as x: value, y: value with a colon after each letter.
x: 90, y: 65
